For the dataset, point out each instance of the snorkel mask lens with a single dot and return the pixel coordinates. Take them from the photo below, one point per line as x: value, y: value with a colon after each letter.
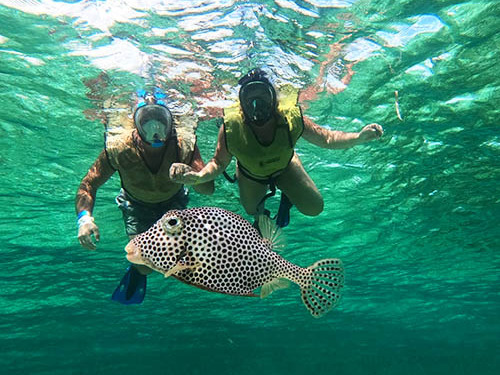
x: 154, y: 132
x: 257, y: 97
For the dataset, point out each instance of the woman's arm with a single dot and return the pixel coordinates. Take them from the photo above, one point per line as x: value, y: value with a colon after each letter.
x: 184, y: 174
x: 337, y: 139
x: 197, y: 165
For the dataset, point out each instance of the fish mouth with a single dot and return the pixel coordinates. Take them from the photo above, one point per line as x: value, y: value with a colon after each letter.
x: 133, y: 253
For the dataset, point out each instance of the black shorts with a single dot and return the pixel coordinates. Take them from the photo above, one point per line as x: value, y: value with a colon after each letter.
x: 269, y: 180
x: 140, y: 216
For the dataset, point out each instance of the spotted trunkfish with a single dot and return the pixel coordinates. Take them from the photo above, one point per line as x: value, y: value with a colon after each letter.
x: 217, y: 250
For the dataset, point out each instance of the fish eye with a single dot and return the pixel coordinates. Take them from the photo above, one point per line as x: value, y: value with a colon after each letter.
x: 172, y: 224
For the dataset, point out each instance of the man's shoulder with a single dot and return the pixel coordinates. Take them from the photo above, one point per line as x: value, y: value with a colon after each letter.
x: 185, y: 129
x: 118, y: 139
x: 120, y: 147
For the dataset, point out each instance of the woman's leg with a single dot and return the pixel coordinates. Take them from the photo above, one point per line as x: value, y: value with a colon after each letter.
x: 300, y: 189
x: 251, y: 193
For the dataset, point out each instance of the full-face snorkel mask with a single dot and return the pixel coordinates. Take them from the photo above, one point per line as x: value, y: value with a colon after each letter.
x: 257, y: 97
x: 152, y: 118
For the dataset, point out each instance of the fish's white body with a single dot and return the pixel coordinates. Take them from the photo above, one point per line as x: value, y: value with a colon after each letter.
x: 218, y: 250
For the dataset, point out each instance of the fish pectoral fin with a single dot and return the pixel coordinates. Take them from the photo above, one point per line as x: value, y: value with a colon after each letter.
x: 180, y: 266
x: 272, y: 286
x: 271, y: 233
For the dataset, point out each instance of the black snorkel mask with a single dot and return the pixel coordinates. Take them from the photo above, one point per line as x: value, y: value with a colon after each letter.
x: 257, y: 97
x: 152, y: 118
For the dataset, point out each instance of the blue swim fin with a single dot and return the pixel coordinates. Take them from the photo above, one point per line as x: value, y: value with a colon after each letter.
x: 283, y: 217
x: 132, y: 287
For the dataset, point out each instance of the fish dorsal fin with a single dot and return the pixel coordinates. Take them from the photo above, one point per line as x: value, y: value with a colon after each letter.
x: 271, y: 232
x: 273, y: 285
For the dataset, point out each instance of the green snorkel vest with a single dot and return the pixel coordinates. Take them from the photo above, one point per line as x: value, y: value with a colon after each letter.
x: 256, y: 159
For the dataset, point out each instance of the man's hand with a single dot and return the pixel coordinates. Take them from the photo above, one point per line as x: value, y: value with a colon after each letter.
x: 87, y: 228
x: 370, y: 132
x: 184, y: 174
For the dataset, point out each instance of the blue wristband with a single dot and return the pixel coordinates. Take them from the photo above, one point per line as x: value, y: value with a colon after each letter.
x: 82, y: 213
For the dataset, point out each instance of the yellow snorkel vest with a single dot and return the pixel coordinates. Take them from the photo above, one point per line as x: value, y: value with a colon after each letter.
x: 256, y: 159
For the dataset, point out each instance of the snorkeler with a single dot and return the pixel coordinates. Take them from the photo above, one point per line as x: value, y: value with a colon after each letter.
x: 261, y: 131
x: 142, y: 156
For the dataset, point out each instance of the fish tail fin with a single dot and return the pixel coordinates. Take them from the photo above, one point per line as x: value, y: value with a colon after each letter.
x: 321, y: 292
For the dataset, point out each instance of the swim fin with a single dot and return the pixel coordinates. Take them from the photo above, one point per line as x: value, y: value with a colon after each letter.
x: 132, y: 287
x: 283, y: 217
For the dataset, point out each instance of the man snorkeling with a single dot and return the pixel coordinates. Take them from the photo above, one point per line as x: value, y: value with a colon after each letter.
x: 142, y: 156
x: 261, y: 132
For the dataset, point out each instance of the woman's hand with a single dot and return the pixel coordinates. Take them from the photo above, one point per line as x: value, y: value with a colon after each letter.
x: 184, y: 174
x: 370, y: 132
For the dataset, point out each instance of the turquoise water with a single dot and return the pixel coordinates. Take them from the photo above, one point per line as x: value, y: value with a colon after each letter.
x: 413, y: 216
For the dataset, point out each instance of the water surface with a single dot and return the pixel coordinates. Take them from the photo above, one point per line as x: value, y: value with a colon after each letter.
x: 413, y: 216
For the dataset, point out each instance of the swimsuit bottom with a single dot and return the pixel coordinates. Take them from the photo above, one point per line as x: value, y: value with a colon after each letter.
x: 140, y: 216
